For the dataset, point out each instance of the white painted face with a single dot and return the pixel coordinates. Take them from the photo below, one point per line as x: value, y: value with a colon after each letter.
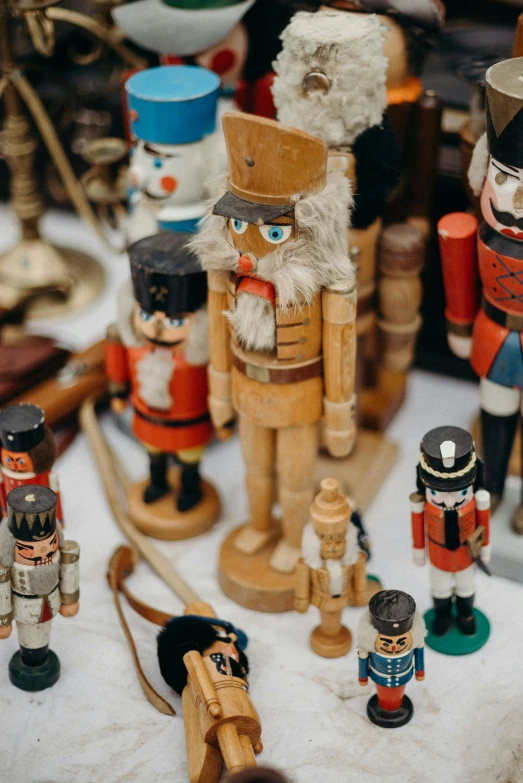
x: 449, y: 500
x: 168, y: 174
x: 502, y: 199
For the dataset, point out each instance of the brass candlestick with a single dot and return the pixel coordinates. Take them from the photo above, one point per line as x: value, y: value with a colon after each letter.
x: 68, y: 279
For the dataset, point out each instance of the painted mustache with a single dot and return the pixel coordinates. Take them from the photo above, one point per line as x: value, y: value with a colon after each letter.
x: 506, y: 218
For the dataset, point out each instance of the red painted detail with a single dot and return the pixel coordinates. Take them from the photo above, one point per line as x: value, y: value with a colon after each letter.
x: 245, y: 264
x: 169, y: 184
x: 46, y: 611
x: 390, y: 698
x: 261, y: 288
x: 133, y: 114
x: 457, y: 242
x: 223, y: 61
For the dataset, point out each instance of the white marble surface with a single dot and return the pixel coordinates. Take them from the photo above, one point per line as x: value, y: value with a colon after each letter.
x: 95, y: 725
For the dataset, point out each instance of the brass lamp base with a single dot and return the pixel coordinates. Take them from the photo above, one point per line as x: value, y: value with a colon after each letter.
x: 63, y: 280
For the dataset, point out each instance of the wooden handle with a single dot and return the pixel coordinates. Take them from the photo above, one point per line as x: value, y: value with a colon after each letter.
x: 202, y: 682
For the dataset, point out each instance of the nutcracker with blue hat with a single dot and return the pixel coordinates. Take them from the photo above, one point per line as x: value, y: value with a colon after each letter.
x: 172, y: 111
x: 391, y: 637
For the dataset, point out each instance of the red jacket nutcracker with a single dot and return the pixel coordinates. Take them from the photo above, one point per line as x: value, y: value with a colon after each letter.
x: 486, y: 325
x: 451, y: 523
x: 157, y: 355
x: 28, y: 452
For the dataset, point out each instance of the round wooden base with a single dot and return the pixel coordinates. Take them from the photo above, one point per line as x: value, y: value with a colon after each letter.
x: 250, y: 581
x: 331, y: 646
x: 162, y: 520
x: 389, y: 719
x: 454, y: 642
x: 34, y: 678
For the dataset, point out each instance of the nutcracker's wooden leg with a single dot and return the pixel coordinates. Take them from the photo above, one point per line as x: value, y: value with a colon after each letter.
x: 258, y: 446
x: 231, y: 748
x: 203, y: 760
x: 331, y: 639
x: 296, y: 459
x: 248, y: 751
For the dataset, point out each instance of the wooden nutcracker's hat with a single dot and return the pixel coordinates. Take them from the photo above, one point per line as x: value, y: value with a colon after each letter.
x: 330, y: 512
x: 271, y: 167
x: 504, y: 90
x: 31, y: 512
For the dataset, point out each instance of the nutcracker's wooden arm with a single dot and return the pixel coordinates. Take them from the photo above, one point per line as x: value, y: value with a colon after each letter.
x: 339, y: 365
x: 359, y: 581
x: 6, y: 602
x: 303, y: 587
x: 220, y: 387
x: 202, y: 682
x: 116, y: 366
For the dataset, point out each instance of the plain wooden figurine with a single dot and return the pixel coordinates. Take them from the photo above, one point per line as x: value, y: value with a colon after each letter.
x: 157, y: 355
x: 202, y: 658
x: 282, y: 332
x: 451, y: 523
x: 483, y: 274
x: 28, y: 452
x: 39, y: 578
x: 331, y: 572
x: 390, y: 650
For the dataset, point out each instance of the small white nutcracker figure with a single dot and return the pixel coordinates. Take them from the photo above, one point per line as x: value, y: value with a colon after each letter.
x: 39, y: 578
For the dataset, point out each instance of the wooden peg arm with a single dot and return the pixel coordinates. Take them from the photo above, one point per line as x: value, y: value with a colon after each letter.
x: 220, y: 387
x: 359, y: 581
x: 202, y: 682
x: 302, y: 589
x: 339, y: 362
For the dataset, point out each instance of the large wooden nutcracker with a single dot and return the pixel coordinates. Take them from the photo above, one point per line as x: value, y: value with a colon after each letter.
x: 451, y: 523
x: 39, y: 578
x: 172, y: 112
x: 28, y: 452
x: 282, y: 329
x: 157, y: 355
x: 483, y: 274
x: 391, y: 637
x: 331, y: 572
x: 202, y: 658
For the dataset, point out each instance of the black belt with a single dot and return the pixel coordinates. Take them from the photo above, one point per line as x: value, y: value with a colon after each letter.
x: 173, y: 422
x: 443, y: 546
x: 508, y: 320
x: 24, y: 595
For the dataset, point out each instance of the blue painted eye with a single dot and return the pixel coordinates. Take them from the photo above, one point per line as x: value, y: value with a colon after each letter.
x: 464, y: 491
x: 158, y: 163
x: 275, y: 234
x: 145, y: 316
x: 432, y: 491
x: 175, y: 323
x: 239, y: 226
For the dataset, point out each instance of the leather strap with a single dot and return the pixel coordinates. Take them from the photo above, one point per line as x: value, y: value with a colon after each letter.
x: 121, y: 566
x: 265, y: 374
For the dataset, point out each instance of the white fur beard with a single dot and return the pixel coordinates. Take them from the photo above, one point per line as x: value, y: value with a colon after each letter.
x: 348, y: 49
x: 155, y: 371
x: 479, y: 165
x: 254, y: 323
x: 335, y: 570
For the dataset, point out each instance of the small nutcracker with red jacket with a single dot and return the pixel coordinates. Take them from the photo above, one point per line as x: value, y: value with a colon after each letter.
x: 157, y: 355
x: 451, y: 521
x: 28, y: 452
x: 483, y: 274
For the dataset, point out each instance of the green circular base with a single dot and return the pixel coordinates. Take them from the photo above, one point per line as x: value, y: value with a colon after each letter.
x: 454, y: 642
x: 373, y: 578
x: 34, y: 678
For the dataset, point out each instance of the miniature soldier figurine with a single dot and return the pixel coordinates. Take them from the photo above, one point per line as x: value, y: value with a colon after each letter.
x: 39, y: 577
x: 390, y: 649
x: 331, y: 573
x: 203, y: 660
x: 172, y: 110
x: 488, y: 329
x: 28, y: 452
x: 453, y: 524
x: 157, y: 353
x: 276, y: 252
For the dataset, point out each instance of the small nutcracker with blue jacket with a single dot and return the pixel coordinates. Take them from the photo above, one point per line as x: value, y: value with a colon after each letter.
x: 390, y: 650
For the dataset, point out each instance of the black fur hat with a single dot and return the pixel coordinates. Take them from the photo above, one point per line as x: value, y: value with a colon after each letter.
x: 179, y: 636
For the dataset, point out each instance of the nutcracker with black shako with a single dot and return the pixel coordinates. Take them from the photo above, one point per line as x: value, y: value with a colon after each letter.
x: 28, y: 452
x: 483, y: 274
x: 202, y: 658
x: 156, y: 354
x: 39, y: 578
x: 391, y: 637
x: 282, y: 337
x: 331, y: 571
x: 451, y: 523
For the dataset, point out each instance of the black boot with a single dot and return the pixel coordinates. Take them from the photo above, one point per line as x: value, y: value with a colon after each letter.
x: 466, y: 619
x: 34, y: 657
x: 158, y: 486
x: 191, y: 487
x: 497, y: 436
x: 443, y: 611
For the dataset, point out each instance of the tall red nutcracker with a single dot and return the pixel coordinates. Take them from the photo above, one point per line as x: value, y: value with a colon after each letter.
x: 28, y: 452
x: 451, y: 523
x: 484, y: 284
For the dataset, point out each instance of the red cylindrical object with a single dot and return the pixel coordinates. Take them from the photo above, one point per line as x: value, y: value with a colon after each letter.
x: 457, y: 234
x: 390, y: 698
